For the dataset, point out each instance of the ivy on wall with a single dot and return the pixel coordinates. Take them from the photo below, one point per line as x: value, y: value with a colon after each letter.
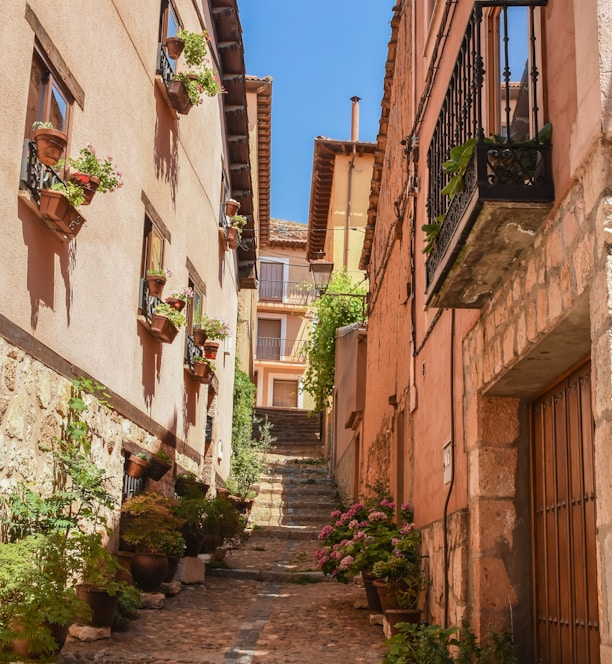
x: 330, y: 312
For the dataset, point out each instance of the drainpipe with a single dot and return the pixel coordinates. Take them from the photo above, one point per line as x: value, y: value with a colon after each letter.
x: 452, y: 480
x: 354, y: 139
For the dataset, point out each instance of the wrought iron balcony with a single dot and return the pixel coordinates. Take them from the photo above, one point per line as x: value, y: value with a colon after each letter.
x: 507, y: 187
x: 281, y: 350
x: 36, y: 177
x: 286, y: 292
x: 147, y: 302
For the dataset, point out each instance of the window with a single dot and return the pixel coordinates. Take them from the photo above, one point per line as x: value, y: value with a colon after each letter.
x: 269, y: 338
x: 271, y: 281
x: 48, y: 100
x: 169, y: 26
x: 285, y: 393
x: 153, y: 251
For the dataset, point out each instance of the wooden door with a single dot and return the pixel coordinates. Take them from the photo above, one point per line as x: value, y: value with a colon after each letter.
x: 563, y: 518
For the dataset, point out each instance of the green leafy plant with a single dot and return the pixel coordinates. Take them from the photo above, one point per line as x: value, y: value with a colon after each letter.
x: 73, y: 191
x: 238, y: 221
x: 127, y: 606
x: 42, y: 125
x: 194, y: 47
x: 153, y: 526
x: 103, y: 169
x: 330, y: 313
x: 200, y: 359
x: 223, y: 523
x: 174, y: 315
x: 162, y: 455
x: 165, y: 272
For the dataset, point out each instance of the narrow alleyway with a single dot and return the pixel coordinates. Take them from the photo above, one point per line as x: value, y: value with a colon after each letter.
x: 268, y: 604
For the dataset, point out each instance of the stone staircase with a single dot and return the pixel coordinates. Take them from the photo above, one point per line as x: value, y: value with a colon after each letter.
x: 296, y: 495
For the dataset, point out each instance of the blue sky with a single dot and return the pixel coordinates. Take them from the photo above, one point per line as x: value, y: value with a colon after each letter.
x: 320, y: 53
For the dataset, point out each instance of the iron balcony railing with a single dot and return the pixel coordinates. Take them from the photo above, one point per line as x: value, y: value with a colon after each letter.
x: 147, y: 302
x: 281, y: 350
x: 513, y: 168
x: 34, y: 175
x: 287, y: 292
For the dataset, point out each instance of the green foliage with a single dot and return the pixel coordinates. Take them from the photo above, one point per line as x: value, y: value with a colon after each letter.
x: 432, y: 644
x: 127, y: 606
x: 194, y: 47
x: 162, y: 455
x: 239, y: 222
x: 247, y: 451
x: 330, y: 313
x: 71, y: 190
x: 174, y: 315
x: 153, y: 526
x: 215, y: 329
x: 89, y: 164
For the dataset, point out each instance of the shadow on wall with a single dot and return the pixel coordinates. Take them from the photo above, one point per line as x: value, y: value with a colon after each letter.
x: 151, y: 362
x: 166, y: 144
x: 43, y: 246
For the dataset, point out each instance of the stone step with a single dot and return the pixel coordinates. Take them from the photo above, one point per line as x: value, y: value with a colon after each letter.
x: 286, y: 531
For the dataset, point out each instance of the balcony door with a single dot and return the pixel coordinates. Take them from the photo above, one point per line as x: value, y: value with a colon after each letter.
x: 285, y: 393
x: 269, y: 338
x: 563, y: 504
x: 271, y: 281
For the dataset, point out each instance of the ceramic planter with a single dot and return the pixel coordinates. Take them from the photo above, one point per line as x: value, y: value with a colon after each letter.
x: 58, y: 214
x: 388, y: 593
x: 211, y: 348
x: 102, y: 605
x: 202, y: 372
x: 199, y: 336
x: 90, y: 184
x: 371, y: 592
x: 174, y: 47
x: 178, y: 96
x: 135, y: 466
x: 158, y: 468
x: 50, y: 144
x: 232, y: 236
x: 163, y: 329
x: 149, y: 570
x: 155, y: 285
x: 176, y: 303
x: 231, y: 207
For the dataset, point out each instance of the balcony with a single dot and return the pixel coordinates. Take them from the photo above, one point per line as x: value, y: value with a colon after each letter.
x: 281, y: 350
x: 507, y: 188
x: 36, y: 179
x: 285, y: 292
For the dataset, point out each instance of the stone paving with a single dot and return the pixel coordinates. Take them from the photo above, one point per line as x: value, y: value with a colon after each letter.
x: 266, y: 603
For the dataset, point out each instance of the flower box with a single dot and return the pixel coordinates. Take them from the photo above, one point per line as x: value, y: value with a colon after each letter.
x: 202, y: 372
x: 58, y: 214
x: 162, y: 328
x: 178, y: 96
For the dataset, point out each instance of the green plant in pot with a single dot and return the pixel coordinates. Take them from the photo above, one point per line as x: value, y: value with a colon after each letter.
x: 223, y: 523
x: 159, y: 464
x: 73, y: 191
x: 173, y: 315
x: 100, y: 173
x: 193, y: 510
x: 154, y: 530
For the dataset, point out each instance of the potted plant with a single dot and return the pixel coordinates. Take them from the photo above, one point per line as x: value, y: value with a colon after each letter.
x: 136, y: 465
x: 155, y: 531
x: 156, y: 280
x: 188, y: 485
x: 215, y: 330
x: 234, y: 230
x: 231, y: 207
x: 193, y: 509
x: 58, y: 207
x: 179, y: 298
x: 223, y: 522
x: 166, y: 322
x: 185, y: 89
x: 203, y: 369
x: 94, y: 174
x: 50, y: 142
x: 159, y: 465
x: 174, y: 47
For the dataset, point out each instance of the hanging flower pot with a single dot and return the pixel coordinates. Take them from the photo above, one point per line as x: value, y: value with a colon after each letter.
x: 211, y: 348
x: 162, y: 328
x: 232, y: 236
x: 203, y: 372
x: 58, y: 214
x: 158, y: 467
x: 231, y: 207
x: 178, y: 96
x: 89, y: 183
x: 135, y: 466
x: 175, y: 47
x: 155, y: 285
x: 50, y: 144
x: 176, y: 303
x: 199, y: 336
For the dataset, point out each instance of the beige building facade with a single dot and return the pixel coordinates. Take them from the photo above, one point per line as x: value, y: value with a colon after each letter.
x: 74, y: 298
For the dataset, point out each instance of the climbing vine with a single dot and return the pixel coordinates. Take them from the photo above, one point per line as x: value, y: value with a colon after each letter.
x: 330, y: 312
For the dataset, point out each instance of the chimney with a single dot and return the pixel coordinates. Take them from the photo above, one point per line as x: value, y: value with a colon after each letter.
x: 355, y: 119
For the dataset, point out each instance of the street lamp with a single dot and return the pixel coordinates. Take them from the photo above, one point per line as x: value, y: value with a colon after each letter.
x: 321, y: 273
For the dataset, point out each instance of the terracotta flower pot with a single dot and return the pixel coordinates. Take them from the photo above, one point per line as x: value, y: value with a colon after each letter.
x: 90, y: 184
x: 149, y: 570
x: 232, y: 236
x: 158, y: 468
x: 199, y: 336
x: 163, y: 329
x: 388, y: 593
x: 371, y: 592
x: 155, y: 285
x: 176, y: 303
x: 202, y: 372
x: 178, y: 96
x: 135, y: 466
x: 231, y: 207
x: 50, y: 145
x: 175, y: 47
x: 58, y: 214
x: 102, y: 605
x: 394, y: 616
x: 211, y: 348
